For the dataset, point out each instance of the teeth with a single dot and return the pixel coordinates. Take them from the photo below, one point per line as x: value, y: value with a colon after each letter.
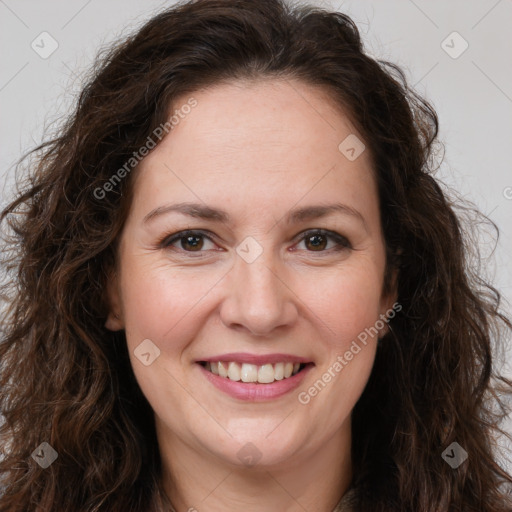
x: 264, y: 374
x: 279, y: 371
x: 249, y: 373
x: 234, y: 371
x: 223, y: 369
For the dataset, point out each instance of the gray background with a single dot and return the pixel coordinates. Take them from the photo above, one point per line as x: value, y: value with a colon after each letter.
x: 471, y: 90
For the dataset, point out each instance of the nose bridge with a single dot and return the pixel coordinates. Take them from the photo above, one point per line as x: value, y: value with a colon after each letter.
x: 260, y: 279
x: 259, y: 284
x: 258, y: 299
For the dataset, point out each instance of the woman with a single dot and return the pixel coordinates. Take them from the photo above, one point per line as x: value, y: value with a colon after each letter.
x: 236, y: 286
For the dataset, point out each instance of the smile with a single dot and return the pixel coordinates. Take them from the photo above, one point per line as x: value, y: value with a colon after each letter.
x: 246, y: 372
x: 255, y: 377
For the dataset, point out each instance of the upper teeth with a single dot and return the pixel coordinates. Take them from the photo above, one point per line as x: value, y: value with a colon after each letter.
x: 264, y: 374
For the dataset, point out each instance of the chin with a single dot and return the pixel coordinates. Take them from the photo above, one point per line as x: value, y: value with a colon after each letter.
x: 252, y: 451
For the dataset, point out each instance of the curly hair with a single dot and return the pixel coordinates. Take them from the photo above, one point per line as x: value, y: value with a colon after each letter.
x: 67, y: 380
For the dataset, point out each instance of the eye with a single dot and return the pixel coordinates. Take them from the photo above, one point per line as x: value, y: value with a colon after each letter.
x: 316, y: 240
x: 189, y: 241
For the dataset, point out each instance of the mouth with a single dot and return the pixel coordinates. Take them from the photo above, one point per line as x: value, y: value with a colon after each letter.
x: 266, y: 373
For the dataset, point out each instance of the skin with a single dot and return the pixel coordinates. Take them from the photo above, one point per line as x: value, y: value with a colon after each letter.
x: 256, y: 150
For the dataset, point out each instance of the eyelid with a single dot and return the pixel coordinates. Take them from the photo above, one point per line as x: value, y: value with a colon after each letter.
x: 169, y: 239
x: 341, y: 241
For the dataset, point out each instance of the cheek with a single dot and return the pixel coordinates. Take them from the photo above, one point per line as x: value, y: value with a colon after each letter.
x: 347, y: 302
x: 162, y: 304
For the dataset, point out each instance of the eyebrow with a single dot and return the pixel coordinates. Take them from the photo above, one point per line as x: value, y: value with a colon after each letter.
x: 204, y: 212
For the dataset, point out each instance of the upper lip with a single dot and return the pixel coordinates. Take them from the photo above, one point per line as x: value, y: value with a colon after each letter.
x: 243, y: 357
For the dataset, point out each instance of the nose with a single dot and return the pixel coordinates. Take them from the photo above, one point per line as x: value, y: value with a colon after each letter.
x: 258, y: 298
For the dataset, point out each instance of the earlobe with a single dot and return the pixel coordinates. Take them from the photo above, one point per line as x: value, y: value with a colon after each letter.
x: 114, y: 320
x: 390, y: 304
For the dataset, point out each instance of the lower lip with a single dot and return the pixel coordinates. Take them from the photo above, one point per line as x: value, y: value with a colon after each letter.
x: 256, y: 392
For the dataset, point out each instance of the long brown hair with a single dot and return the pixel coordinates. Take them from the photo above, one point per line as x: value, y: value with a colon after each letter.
x: 67, y: 380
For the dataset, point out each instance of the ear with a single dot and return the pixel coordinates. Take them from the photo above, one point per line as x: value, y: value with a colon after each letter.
x: 115, y: 320
x: 389, y: 305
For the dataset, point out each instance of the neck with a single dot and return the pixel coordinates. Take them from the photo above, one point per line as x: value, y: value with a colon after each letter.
x: 312, y: 480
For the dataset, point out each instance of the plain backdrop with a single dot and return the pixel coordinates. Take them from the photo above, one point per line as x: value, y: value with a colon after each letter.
x: 457, y: 54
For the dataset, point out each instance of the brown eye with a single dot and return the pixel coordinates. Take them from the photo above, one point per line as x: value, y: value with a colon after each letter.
x: 188, y: 241
x: 321, y: 240
x: 316, y: 242
x: 192, y: 242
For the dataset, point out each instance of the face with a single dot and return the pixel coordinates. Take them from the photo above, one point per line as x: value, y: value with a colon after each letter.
x: 277, y: 268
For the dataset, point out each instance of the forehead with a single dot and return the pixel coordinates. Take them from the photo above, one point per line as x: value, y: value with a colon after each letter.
x: 260, y: 141
x: 270, y: 114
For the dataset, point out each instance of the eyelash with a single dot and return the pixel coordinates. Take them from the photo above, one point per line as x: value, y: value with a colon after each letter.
x: 341, y: 242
